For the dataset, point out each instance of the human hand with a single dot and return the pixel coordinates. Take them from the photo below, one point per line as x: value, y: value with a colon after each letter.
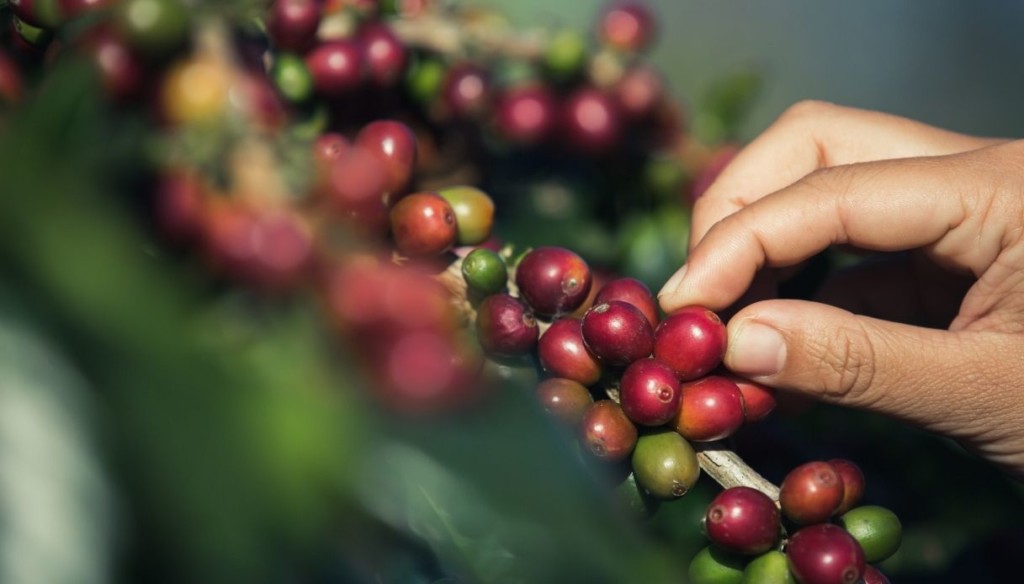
x: 825, y: 175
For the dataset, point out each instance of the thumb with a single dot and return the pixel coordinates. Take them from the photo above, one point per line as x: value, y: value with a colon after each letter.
x: 943, y: 381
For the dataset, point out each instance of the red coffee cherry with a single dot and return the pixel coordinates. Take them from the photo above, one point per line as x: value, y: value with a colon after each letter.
x: 466, y: 91
x: 691, y: 341
x: 564, y: 399
x: 553, y: 280
x: 292, y: 24
x: 423, y: 224
x: 649, y: 393
x: 505, y: 326
x: 526, y: 115
x: 607, y: 433
x: 639, y: 92
x: 385, y: 55
x: 743, y: 520
x: 627, y: 25
x: 394, y: 145
x: 758, y: 399
x: 873, y: 575
x: 591, y: 121
x: 632, y: 291
x: 853, y: 483
x: 811, y: 493
x: 357, y: 192
x: 337, y: 68
x: 825, y: 554
x: 618, y: 333
x: 711, y: 408
x: 563, y: 353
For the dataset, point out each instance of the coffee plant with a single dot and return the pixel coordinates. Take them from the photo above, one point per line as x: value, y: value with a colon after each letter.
x: 405, y: 212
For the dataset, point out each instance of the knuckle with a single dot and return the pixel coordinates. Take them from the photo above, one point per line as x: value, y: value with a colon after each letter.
x: 808, y: 109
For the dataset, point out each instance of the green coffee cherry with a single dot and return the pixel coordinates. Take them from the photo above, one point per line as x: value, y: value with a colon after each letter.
x: 768, y: 568
x: 665, y: 465
x: 292, y: 78
x: 713, y: 566
x: 474, y: 212
x: 33, y: 35
x: 154, y: 26
x: 485, y: 272
x: 424, y: 79
x: 634, y: 500
x: 876, y: 529
x: 565, y: 54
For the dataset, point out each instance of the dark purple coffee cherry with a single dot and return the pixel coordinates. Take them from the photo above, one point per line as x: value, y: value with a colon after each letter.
x: 853, y: 483
x: 292, y: 24
x: 825, y: 554
x: 337, y: 68
x: 553, y: 280
x: 743, y: 520
x: 632, y: 291
x: 618, y: 333
x: 385, y: 55
x: 505, y: 326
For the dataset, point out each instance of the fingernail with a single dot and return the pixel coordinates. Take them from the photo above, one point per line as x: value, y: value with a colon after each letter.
x: 757, y: 349
x: 673, y: 282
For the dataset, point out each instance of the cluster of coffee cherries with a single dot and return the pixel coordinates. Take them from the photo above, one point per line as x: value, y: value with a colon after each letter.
x: 832, y: 540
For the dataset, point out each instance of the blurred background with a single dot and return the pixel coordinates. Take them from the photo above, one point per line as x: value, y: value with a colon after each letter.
x: 158, y: 424
x: 947, y: 63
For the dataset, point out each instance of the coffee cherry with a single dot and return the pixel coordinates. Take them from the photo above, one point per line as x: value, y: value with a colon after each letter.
x: 825, y: 554
x: 649, y: 393
x: 565, y: 55
x: 743, y: 520
x: 876, y: 529
x: 634, y: 500
x: 565, y: 399
x: 811, y: 493
x: 155, y: 27
x: 639, y: 92
x: 691, y: 341
x: 632, y: 291
x: 328, y: 149
x: 178, y: 206
x: 553, y: 280
x: 291, y: 77
x: 526, y: 115
x: 485, y: 272
x: 385, y: 55
x: 563, y: 353
x: 33, y: 36
x: 424, y: 372
x: 282, y: 249
x: 618, y: 333
x: 122, y: 72
x: 423, y: 224
x: 853, y: 483
x: 665, y: 465
x: 627, y: 25
x: 606, y: 432
x: 394, y: 144
x: 194, y: 91
x: 292, y: 24
x: 873, y: 575
x: 357, y: 192
x: 713, y: 565
x: 474, y: 211
x: 466, y: 91
x: 42, y: 14
x: 591, y: 121
x: 12, y: 86
x: 337, y: 67
x: 758, y: 400
x: 505, y: 326
x: 711, y: 408
x: 769, y: 568
x: 424, y: 79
